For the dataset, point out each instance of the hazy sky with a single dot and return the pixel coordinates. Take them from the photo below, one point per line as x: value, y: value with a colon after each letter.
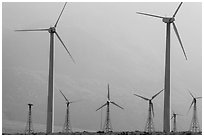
x: 110, y: 44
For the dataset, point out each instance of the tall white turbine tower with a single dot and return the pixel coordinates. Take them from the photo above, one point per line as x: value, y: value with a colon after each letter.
x: 168, y: 21
x: 50, y: 108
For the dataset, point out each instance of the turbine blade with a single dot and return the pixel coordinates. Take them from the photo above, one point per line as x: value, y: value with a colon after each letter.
x: 108, y: 93
x: 152, y: 109
x: 179, y: 114
x: 198, y: 97
x: 172, y: 117
x: 32, y: 30
x: 177, y: 34
x: 190, y: 106
x: 101, y: 106
x: 157, y: 94
x: 75, y: 101
x: 71, y: 102
x: 64, y: 46
x: 116, y: 105
x: 149, y: 15
x: 191, y: 94
x: 141, y: 97
x: 177, y: 9
x: 60, y: 14
x: 63, y: 95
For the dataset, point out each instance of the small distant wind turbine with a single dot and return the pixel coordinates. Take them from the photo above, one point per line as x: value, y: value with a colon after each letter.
x: 107, y: 124
x: 168, y: 21
x: 194, y: 127
x: 149, y: 124
x: 52, y: 31
x: 67, y: 125
x: 29, y: 125
x: 174, y: 118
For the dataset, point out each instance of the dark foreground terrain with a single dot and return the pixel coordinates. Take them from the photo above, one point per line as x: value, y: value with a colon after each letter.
x: 111, y: 133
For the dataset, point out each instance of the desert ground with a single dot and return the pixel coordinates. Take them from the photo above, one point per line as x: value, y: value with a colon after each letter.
x: 112, y: 133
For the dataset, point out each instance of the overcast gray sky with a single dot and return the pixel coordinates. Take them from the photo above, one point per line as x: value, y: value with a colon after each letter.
x: 110, y: 44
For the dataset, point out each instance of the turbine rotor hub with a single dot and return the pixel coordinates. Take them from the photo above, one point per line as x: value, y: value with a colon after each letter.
x: 168, y: 20
x: 30, y: 104
x: 52, y: 30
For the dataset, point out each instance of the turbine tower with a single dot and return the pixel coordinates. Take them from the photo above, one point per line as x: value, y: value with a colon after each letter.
x: 194, y: 127
x: 168, y: 21
x: 29, y: 126
x: 107, y: 124
x: 67, y: 125
x: 174, y: 120
x: 50, y: 108
x: 149, y: 127
x: 101, y: 122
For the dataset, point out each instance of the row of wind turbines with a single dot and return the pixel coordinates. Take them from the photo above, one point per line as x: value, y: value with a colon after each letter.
x: 53, y: 32
x: 149, y: 127
x: 194, y: 126
x: 107, y: 127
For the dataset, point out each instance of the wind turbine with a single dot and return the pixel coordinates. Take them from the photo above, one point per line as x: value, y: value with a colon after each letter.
x: 29, y: 125
x: 194, y: 127
x: 149, y: 124
x: 107, y: 124
x: 174, y: 118
x: 168, y: 21
x: 67, y: 125
x: 52, y: 31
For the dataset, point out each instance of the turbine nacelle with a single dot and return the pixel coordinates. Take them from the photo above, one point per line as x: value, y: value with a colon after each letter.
x: 168, y: 20
x: 194, y: 100
x: 67, y: 102
x: 175, y: 114
x: 30, y: 104
x: 52, y: 30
